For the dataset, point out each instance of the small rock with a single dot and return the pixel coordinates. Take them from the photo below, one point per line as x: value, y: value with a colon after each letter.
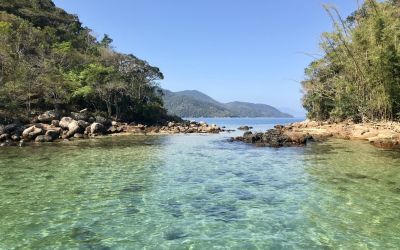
x: 55, y: 123
x: 43, y: 138
x: 16, y: 137
x: 245, y: 128
x: 79, y: 136
x: 4, y: 137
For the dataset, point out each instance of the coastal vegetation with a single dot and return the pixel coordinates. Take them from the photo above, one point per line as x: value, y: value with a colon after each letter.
x: 358, y: 76
x: 49, y: 61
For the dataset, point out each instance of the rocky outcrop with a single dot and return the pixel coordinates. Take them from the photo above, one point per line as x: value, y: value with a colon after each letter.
x: 277, y: 137
x: 189, y: 127
x: 380, y: 134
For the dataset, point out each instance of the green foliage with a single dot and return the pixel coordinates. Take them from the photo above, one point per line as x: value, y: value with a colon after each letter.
x: 359, y: 74
x: 49, y: 61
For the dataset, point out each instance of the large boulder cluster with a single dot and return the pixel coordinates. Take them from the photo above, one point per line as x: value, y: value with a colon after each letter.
x: 51, y: 126
x: 47, y: 128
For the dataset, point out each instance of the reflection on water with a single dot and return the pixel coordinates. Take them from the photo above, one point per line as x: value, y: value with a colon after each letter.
x: 198, y: 192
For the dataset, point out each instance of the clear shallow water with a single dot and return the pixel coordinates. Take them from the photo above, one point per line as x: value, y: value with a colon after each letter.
x: 198, y: 192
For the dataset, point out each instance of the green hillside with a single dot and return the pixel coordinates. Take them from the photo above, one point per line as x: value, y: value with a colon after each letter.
x: 192, y: 103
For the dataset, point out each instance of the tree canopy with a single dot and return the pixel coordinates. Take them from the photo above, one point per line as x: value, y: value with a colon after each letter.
x: 358, y: 76
x: 48, y: 60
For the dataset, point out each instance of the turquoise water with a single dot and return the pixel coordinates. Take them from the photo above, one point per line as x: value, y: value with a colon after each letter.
x: 199, y: 192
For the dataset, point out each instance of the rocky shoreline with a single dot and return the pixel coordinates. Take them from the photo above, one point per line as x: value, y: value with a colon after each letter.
x: 50, y: 127
x: 380, y: 134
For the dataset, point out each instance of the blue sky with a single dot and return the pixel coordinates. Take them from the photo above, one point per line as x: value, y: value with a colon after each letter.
x: 229, y: 49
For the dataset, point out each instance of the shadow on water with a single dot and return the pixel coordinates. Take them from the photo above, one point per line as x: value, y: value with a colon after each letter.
x: 87, y: 239
x: 175, y: 234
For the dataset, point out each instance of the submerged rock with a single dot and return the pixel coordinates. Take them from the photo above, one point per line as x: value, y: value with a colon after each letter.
x: 174, y: 234
x: 244, y: 195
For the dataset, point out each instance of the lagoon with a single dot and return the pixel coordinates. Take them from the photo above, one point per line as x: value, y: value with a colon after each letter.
x: 199, y: 192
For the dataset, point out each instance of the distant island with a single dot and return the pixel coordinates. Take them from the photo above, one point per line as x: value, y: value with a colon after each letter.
x: 193, y: 103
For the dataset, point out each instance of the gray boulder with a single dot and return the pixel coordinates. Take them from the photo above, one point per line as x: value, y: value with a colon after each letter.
x: 103, y: 121
x: 73, y: 128
x: 11, y: 128
x: 245, y: 128
x: 43, y: 138
x: 54, y: 133
x: 48, y: 116
x: 4, y: 137
x: 65, y: 121
x: 32, y: 132
x: 97, y: 128
x: 55, y: 123
x: 16, y: 137
x: 87, y: 130
x: 84, y: 115
x: 83, y: 124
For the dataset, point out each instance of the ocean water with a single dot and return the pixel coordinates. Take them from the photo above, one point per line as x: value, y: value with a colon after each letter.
x: 199, y: 192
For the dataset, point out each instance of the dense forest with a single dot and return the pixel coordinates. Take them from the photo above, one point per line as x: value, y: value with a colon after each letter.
x: 358, y: 76
x: 49, y: 61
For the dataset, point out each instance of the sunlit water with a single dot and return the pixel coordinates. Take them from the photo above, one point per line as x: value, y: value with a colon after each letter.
x: 199, y: 192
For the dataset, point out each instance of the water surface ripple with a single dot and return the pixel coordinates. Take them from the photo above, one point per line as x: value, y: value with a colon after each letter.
x: 198, y: 192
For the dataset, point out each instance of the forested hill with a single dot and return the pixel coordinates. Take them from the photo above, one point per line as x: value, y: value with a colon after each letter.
x: 358, y: 76
x: 48, y: 60
x: 192, y: 103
